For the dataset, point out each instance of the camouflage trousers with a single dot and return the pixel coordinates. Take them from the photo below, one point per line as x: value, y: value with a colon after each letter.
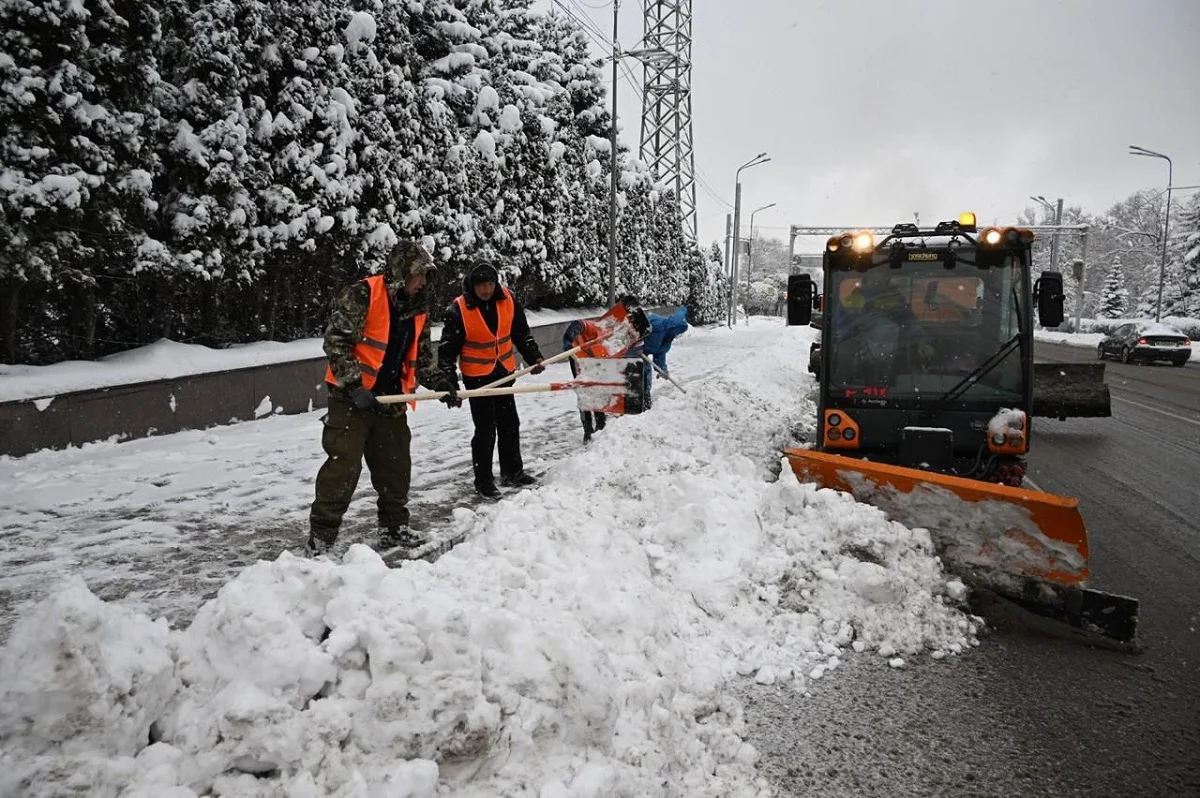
x: 351, y: 435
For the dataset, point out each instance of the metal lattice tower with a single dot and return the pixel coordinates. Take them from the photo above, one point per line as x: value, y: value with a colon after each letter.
x: 667, y: 102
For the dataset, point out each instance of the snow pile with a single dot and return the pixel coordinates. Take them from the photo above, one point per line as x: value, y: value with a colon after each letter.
x: 580, y: 643
x: 94, y: 676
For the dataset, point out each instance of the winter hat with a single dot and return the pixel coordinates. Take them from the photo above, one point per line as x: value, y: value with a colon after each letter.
x: 406, y: 259
x: 484, y: 272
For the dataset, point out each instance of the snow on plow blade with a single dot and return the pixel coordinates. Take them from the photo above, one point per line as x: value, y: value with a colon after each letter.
x: 1070, y: 390
x: 1027, y: 546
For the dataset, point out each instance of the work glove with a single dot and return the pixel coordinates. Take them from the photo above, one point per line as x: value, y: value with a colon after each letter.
x: 451, y: 398
x: 363, y: 399
x: 538, y: 368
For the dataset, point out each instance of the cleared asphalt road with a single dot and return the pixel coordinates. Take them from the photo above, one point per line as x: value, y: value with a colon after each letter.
x: 1027, y: 713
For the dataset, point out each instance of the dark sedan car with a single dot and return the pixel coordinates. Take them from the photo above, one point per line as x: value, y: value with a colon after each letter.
x: 1145, y: 341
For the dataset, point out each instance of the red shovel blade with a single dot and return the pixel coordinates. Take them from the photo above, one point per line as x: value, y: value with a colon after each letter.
x: 611, y: 335
x: 619, y: 386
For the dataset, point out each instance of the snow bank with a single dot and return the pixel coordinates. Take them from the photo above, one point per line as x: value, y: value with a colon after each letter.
x: 1088, y: 340
x: 580, y: 643
x: 166, y: 359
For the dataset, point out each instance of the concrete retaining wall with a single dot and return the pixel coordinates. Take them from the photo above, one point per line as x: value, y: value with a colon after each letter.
x: 161, y: 407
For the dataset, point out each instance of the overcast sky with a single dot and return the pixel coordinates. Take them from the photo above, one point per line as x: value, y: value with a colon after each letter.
x: 874, y: 109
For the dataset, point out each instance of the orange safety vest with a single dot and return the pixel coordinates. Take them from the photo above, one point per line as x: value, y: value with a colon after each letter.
x: 483, y: 349
x: 370, y: 349
x: 589, y: 332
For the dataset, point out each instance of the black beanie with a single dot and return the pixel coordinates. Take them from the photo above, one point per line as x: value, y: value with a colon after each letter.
x: 484, y: 272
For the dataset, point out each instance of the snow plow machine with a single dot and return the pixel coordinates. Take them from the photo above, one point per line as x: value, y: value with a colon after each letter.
x: 927, y: 391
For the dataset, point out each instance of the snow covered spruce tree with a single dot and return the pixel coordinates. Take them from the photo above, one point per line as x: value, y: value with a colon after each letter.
x: 1115, y: 297
x: 215, y: 156
x: 78, y: 98
x: 284, y: 149
x: 1184, y: 256
x: 708, y: 288
x: 577, y: 244
x: 1133, y: 228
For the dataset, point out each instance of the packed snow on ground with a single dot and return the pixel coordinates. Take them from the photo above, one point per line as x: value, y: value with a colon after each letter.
x: 583, y: 641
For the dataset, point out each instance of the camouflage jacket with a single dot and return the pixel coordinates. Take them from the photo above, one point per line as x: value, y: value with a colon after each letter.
x: 347, y: 319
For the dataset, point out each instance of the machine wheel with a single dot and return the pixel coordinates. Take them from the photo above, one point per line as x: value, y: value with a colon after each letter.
x: 1179, y: 363
x: 1100, y: 351
x: 1126, y: 355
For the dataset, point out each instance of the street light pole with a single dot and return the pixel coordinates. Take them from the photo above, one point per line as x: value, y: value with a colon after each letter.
x: 1162, y: 268
x: 750, y: 246
x: 737, y: 219
x: 612, y: 192
x: 1057, y: 211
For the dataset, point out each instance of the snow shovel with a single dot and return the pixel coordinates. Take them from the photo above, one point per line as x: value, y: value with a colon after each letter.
x: 621, y: 326
x: 618, y: 389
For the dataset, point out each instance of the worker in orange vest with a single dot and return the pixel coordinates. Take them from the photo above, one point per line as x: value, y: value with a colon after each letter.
x: 378, y: 343
x: 484, y: 329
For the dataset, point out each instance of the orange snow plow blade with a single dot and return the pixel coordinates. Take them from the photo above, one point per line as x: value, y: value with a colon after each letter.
x: 1028, y: 546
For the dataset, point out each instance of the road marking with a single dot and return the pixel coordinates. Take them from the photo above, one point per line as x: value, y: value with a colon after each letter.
x: 1153, y: 409
x: 1033, y: 485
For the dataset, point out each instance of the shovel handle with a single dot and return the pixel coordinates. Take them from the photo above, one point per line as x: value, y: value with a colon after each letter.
x: 618, y: 387
x: 661, y: 372
x: 527, y: 369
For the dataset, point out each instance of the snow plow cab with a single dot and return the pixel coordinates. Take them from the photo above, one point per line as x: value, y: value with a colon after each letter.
x: 926, y: 397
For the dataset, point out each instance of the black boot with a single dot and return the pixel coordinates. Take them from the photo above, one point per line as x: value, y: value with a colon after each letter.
x: 316, y: 547
x: 400, y: 536
x: 518, y: 480
x: 320, y: 541
x: 487, y: 490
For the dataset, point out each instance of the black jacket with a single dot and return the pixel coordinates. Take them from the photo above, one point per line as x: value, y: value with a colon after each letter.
x: 454, y: 332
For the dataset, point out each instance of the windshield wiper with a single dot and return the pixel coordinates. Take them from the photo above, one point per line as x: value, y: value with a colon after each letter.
x: 963, y: 385
x: 997, y: 357
x: 1017, y: 308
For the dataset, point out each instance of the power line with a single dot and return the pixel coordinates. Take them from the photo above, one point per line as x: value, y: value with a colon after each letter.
x: 586, y: 27
x: 706, y: 184
x: 589, y: 27
x: 584, y: 19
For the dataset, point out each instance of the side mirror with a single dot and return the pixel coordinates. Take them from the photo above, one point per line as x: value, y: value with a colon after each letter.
x: 800, y: 295
x: 1048, y: 294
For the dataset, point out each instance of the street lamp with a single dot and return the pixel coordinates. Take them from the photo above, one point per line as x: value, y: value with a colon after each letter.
x: 1057, y: 211
x: 1162, y: 269
x: 761, y: 158
x: 750, y: 246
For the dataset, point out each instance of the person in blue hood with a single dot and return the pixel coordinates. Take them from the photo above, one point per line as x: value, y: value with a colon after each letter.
x: 663, y: 332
